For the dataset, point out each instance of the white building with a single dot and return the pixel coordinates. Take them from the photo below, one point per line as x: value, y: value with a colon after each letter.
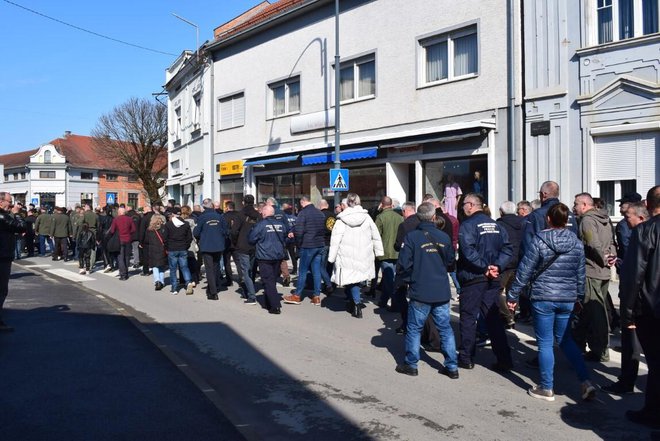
x: 424, y: 99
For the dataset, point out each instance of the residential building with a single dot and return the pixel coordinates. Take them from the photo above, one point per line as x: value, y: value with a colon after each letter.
x: 592, y: 96
x: 69, y: 171
x: 424, y: 98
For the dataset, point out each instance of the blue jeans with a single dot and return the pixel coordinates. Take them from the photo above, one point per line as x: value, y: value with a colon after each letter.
x: 455, y: 280
x: 353, y: 291
x: 246, y: 261
x: 159, y: 274
x: 551, y: 323
x: 42, y: 244
x: 324, y: 266
x: 178, y: 259
x: 417, y: 314
x: 309, y: 257
x: 388, y: 270
x: 19, y: 247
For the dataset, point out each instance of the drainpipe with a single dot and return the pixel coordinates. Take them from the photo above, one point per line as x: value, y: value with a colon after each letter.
x: 511, y: 92
x: 211, y: 170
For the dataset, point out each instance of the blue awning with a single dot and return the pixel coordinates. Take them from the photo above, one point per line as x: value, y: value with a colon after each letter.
x: 270, y: 160
x: 346, y: 155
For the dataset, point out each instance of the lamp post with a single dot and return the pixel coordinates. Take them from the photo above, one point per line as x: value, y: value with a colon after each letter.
x: 337, y: 96
x: 196, y: 31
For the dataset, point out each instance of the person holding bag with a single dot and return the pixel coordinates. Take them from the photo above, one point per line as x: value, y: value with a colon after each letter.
x: 553, y: 270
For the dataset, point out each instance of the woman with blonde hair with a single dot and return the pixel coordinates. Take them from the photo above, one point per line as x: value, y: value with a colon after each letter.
x: 155, y: 250
x: 354, y: 244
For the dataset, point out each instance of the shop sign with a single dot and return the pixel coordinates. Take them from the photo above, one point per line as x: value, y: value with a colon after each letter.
x: 328, y: 192
x: 231, y: 168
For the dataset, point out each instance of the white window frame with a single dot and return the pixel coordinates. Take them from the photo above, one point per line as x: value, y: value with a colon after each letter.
x: 235, y: 104
x: 175, y: 167
x: 197, y: 111
x: 355, y: 63
x: 638, y: 21
x: 286, y: 83
x: 448, y: 36
x: 177, y: 123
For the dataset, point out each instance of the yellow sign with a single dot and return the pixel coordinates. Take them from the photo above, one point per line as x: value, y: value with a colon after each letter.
x: 231, y: 168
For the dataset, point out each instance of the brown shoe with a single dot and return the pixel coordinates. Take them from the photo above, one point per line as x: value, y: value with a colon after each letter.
x: 316, y: 300
x: 292, y: 299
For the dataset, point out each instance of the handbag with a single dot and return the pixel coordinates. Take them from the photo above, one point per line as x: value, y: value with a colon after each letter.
x: 161, y: 242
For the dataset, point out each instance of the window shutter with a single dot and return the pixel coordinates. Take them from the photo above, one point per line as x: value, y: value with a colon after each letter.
x: 225, y: 113
x: 239, y: 110
x: 615, y: 157
x: 648, y: 161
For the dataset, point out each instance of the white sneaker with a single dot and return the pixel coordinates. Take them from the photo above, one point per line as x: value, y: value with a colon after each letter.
x: 541, y: 394
x: 588, y: 391
x: 190, y: 289
x: 82, y: 271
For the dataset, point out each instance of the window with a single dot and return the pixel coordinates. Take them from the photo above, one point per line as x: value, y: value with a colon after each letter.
x: 23, y: 175
x: 197, y: 111
x: 132, y: 178
x: 610, y: 191
x: 47, y: 174
x: 286, y: 97
x: 15, y: 176
x: 133, y: 200
x: 620, y: 19
x: 110, y: 177
x: 176, y: 167
x: 232, y: 111
x: 357, y: 79
x: 47, y: 156
x: 177, y: 124
x: 87, y: 176
x: 449, y: 56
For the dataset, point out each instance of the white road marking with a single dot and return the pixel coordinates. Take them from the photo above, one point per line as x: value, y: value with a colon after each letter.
x: 37, y: 266
x: 100, y: 296
x: 66, y: 274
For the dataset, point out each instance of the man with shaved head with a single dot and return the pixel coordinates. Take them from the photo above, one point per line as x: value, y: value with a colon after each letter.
x: 388, y: 222
x: 126, y: 227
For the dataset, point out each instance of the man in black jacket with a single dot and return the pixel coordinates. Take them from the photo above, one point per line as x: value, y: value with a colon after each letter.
x: 640, y: 305
x: 232, y: 218
x: 249, y: 217
x: 513, y: 224
x: 10, y: 225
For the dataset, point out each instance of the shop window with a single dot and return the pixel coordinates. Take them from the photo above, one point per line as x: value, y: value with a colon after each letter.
x: 231, y: 190
x: 449, y: 56
x: 47, y: 174
x: 357, y: 79
x: 285, y: 97
x: 447, y: 180
x: 232, y: 111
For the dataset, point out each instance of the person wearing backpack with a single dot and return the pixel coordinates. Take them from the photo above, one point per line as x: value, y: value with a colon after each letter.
x: 85, y: 243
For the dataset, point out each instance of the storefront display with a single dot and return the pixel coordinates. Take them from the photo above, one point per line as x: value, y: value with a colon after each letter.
x: 447, y: 180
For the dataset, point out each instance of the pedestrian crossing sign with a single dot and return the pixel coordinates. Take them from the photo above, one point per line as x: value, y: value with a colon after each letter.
x: 339, y: 179
x: 110, y: 198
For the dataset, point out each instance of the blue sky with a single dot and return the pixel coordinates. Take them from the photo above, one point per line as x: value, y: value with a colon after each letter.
x: 55, y: 78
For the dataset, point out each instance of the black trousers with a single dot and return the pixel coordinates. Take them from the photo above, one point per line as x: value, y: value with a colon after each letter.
x: 648, y: 329
x: 124, y: 258
x: 400, y: 303
x: 211, y: 263
x: 482, y: 297
x: 269, y: 271
x: 630, y: 355
x: 61, y: 247
x: 5, y: 271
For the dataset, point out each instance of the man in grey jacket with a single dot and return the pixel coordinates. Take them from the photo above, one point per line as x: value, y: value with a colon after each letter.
x: 600, y: 254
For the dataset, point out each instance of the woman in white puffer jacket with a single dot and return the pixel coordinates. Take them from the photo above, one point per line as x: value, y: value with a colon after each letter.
x: 354, y: 244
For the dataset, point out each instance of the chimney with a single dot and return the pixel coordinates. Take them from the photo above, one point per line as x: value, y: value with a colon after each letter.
x: 67, y: 133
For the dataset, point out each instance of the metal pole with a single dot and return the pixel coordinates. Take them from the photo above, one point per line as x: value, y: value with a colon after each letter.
x: 337, y: 97
x: 196, y: 31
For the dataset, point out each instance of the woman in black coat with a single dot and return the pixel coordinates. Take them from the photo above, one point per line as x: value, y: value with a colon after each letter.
x: 155, y: 250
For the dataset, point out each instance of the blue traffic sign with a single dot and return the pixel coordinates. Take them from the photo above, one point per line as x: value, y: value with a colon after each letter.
x: 110, y: 198
x: 35, y: 201
x: 339, y: 179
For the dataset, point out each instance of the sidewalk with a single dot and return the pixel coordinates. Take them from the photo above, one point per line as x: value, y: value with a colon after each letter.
x: 76, y: 369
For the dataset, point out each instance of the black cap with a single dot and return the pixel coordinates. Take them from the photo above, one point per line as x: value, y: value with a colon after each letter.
x: 630, y: 197
x: 248, y: 199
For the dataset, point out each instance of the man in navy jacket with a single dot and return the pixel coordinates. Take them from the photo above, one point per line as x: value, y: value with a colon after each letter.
x: 269, y: 236
x: 484, y: 252
x: 211, y: 233
x: 425, y: 254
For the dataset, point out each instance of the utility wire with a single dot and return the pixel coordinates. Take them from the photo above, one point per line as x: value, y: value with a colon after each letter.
x: 86, y: 30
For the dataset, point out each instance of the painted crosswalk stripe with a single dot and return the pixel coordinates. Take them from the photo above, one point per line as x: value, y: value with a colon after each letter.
x: 66, y: 274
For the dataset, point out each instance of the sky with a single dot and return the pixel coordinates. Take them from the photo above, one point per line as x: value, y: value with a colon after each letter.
x: 56, y: 78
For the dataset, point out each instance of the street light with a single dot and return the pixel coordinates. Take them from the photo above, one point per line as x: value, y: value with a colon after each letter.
x: 196, y: 31
x: 337, y: 97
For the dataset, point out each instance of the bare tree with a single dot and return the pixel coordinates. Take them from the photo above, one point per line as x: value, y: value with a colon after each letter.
x: 134, y: 135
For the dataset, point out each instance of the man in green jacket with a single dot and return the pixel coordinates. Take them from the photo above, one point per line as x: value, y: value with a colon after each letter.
x: 388, y: 224
x: 42, y: 229
x: 60, y: 230
x: 92, y: 220
x: 76, y: 219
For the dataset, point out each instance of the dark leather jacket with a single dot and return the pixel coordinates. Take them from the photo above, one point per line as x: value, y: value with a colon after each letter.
x: 640, y: 275
x: 9, y: 226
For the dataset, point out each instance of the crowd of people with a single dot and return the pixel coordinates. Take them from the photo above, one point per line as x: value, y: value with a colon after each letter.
x: 539, y: 262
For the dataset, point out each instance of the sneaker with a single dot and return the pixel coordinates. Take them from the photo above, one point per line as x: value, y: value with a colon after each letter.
x: 618, y: 388
x: 481, y: 343
x: 292, y: 299
x: 107, y: 269
x: 316, y: 300
x: 541, y: 394
x: 588, y: 391
x: 82, y: 271
x: 406, y: 369
x: 250, y: 302
x: 190, y: 289
x: 275, y: 311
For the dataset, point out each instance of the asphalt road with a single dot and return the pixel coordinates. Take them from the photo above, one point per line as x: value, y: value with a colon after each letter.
x: 76, y: 369
x: 316, y: 373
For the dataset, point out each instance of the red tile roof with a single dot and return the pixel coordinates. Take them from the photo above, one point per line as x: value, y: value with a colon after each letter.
x: 259, y: 14
x: 79, y: 152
